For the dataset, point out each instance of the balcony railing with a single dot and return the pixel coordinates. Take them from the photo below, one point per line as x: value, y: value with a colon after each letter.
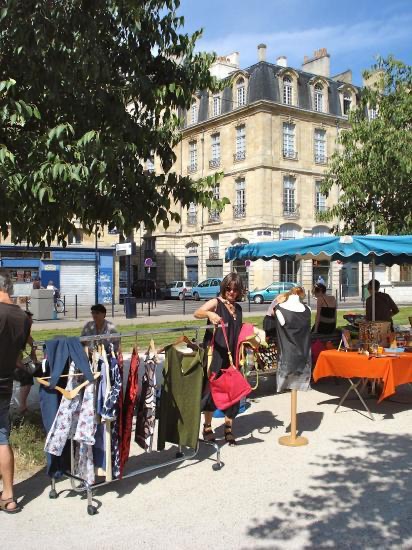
x: 290, y: 154
x: 192, y: 168
x: 191, y: 219
x: 321, y: 159
x: 214, y: 163
x: 291, y: 211
x: 214, y: 216
x: 239, y: 211
x: 213, y: 253
x: 239, y: 155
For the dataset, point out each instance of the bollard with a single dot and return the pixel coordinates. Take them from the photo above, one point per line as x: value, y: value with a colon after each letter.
x: 64, y: 304
x: 112, y: 308
x: 75, y: 306
x: 27, y: 303
x: 184, y: 303
x: 148, y: 306
x: 309, y: 293
x: 248, y: 298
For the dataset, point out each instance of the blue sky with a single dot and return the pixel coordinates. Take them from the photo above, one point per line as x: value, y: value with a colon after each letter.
x: 353, y: 31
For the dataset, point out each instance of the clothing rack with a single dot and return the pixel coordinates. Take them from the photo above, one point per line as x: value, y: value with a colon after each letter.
x: 81, y: 485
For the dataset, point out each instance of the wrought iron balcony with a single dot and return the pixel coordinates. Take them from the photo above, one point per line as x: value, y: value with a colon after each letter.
x: 213, y: 253
x: 290, y: 154
x: 191, y: 218
x: 239, y: 155
x: 192, y: 168
x: 214, y: 163
x: 321, y: 159
x: 291, y: 211
x: 239, y: 211
x: 214, y: 216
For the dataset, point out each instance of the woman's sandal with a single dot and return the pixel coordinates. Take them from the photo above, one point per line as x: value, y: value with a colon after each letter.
x: 4, y: 504
x: 229, y: 437
x: 208, y: 433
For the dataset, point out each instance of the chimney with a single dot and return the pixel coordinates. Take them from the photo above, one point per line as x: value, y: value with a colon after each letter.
x: 319, y: 64
x: 282, y: 61
x: 262, y: 52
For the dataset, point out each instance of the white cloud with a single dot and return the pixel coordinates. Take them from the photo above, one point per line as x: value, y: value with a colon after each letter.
x: 340, y: 40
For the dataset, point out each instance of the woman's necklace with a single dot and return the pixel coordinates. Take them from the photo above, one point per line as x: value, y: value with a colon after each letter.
x: 230, y: 307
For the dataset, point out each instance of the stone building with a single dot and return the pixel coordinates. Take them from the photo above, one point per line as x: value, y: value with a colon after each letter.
x: 271, y: 133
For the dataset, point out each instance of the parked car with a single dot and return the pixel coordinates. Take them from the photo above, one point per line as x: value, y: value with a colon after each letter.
x: 270, y: 292
x: 175, y: 289
x: 209, y: 288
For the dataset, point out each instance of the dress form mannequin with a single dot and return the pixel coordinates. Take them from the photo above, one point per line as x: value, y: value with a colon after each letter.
x: 293, y: 304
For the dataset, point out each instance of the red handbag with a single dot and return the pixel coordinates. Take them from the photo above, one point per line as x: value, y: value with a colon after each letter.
x: 229, y: 386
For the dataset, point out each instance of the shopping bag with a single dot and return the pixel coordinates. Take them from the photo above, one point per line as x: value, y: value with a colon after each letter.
x: 229, y: 385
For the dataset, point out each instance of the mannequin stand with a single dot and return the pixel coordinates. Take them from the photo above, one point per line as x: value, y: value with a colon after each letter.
x: 293, y: 440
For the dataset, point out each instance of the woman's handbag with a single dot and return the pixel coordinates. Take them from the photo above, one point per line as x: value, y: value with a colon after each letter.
x: 229, y: 386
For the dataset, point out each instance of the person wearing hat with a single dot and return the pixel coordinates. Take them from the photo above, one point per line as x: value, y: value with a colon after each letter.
x: 99, y: 324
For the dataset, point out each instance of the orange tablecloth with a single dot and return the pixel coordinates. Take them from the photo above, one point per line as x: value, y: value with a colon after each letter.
x: 394, y: 371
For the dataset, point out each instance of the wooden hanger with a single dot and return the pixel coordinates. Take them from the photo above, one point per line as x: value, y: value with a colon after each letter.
x: 68, y: 394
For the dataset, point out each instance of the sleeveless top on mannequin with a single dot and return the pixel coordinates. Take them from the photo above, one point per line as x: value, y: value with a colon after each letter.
x: 294, y: 365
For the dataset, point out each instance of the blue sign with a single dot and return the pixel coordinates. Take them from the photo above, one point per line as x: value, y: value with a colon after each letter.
x: 148, y: 262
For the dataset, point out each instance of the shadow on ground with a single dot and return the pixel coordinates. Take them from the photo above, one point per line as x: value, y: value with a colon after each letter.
x: 359, y: 499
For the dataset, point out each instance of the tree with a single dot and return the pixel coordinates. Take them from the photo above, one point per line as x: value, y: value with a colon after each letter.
x: 90, y: 89
x: 373, y: 168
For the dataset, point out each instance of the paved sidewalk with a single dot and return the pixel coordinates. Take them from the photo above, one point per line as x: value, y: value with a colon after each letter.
x: 349, y: 488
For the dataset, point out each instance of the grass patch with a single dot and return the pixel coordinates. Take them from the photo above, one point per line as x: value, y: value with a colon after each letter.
x: 162, y: 339
x: 27, y: 439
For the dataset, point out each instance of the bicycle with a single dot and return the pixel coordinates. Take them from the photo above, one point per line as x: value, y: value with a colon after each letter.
x: 58, y: 305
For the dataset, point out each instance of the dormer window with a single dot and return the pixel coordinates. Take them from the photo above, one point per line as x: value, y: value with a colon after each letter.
x: 241, y: 92
x: 347, y: 103
x: 318, y: 98
x: 287, y: 90
x: 193, y: 113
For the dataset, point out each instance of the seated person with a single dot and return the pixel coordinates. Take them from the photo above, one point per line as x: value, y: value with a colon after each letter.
x: 385, y: 307
x: 325, y: 321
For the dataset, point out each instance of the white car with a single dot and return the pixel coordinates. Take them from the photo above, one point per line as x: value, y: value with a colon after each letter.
x: 178, y: 289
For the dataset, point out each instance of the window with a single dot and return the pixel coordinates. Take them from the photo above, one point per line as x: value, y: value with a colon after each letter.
x: 240, y: 92
x: 320, y: 199
x: 214, y: 214
x: 150, y: 167
x: 319, y: 98
x: 214, y: 247
x: 320, y: 146
x: 215, y: 161
x: 347, y: 103
x: 406, y: 273
x: 192, y: 214
x: 289, y: 202
x: 264, y: 233
x: 239, y: 208
x: 216, y: 108
x: 289, y: 141
x: 75, y: 237
x: 320, y: 231
x: 193, y: 113
x: 287, y: 91
x: 372, y: 113
x: 240, y: 143
x: 192, y: 156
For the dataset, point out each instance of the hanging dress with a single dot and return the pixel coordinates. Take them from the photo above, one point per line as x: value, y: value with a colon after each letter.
x: 146, y: 407
x: 294, y: 364
x: 129, y: 405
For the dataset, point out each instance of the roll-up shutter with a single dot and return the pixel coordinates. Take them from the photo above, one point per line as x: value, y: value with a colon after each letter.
x: 78, y: 277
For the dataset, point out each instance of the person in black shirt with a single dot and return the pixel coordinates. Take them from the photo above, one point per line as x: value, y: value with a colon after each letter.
x: 385, y: 307
x: 14, y: 331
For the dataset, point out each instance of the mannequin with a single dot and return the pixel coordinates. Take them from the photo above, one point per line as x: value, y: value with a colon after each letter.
x: 294, y: 368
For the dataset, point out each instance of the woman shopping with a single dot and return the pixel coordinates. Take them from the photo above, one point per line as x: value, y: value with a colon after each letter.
x: 223, y: 308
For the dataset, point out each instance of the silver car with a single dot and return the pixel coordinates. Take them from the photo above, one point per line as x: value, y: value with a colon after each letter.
x: 176, y: 289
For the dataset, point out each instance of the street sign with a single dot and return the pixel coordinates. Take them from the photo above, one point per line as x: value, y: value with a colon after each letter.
x: 248, y: 263
x: 124, y: 249
x: 148, y: 262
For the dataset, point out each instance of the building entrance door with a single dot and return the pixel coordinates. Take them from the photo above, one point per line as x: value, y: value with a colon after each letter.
x: 350, y: 280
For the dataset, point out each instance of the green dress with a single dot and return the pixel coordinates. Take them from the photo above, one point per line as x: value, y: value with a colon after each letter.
x: 179, y: 414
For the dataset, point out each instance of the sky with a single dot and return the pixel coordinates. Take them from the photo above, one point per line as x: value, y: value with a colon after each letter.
x: 353, y: 31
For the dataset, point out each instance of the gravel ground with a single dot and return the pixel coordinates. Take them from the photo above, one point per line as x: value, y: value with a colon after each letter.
x: 349, y: 488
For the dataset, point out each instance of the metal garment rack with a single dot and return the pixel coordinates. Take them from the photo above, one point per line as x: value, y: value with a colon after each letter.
x: 181, y: 455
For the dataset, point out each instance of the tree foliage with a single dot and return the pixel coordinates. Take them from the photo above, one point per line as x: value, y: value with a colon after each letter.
x: 373, y: 166
x: 90, y: 89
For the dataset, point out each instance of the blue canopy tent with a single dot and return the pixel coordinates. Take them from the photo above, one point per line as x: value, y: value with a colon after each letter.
x: 375, y: 249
